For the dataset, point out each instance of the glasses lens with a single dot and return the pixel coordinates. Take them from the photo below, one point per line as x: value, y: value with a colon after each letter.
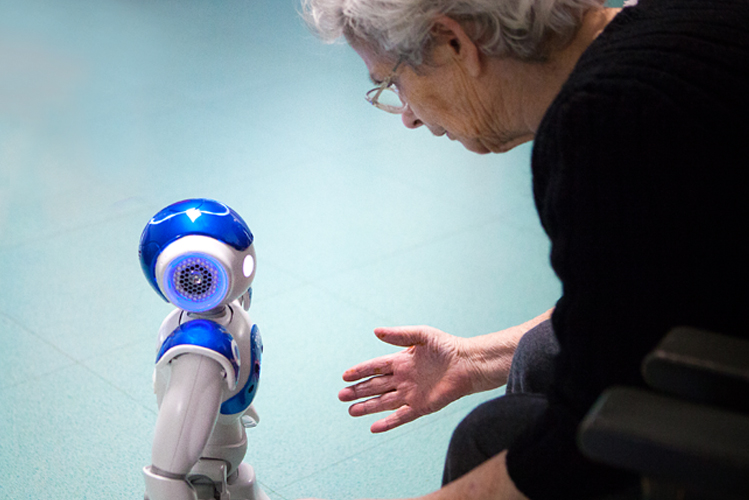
x: 390, y: 99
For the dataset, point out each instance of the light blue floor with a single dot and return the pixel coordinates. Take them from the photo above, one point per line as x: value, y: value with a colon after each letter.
x: 111, y: 110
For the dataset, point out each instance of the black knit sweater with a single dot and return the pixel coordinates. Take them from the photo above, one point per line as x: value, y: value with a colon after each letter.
x: 639, y: 175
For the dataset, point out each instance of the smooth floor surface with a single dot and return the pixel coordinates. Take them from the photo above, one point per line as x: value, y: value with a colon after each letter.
x: 111, y: 110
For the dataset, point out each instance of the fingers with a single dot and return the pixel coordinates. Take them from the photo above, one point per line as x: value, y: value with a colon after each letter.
x: 404, y: 336
x: 377, y: 366
x: 372, y: 387
x: 402, y: 415
x: 381, y: 385
x: 386, y: 402
x: 390, y: 401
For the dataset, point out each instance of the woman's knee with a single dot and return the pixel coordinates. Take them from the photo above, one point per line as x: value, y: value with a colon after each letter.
x: 489, y: 429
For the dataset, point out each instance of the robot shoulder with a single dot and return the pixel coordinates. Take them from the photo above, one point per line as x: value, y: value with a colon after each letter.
x: 206, y: 338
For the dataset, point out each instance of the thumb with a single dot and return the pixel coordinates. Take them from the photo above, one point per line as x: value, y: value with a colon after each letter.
x: 404, y: 336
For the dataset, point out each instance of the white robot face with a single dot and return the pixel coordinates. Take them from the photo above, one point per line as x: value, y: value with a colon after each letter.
x: 198, y: 254
x: 198, y: 273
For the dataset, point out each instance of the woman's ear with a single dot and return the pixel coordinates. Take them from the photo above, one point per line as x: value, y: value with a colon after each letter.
x: 452, y: 43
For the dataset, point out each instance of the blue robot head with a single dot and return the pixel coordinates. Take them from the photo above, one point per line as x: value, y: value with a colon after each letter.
x: 198, y: 254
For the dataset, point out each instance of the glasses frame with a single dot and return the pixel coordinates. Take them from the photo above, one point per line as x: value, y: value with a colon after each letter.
x: 373, y: 95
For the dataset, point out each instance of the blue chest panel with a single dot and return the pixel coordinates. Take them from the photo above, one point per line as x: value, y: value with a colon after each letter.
x: 242, y: 400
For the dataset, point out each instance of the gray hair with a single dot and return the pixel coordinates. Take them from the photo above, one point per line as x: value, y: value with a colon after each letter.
x: 524, y: 29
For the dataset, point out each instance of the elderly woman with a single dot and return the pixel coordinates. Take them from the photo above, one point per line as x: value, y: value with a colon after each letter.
x: 638, y: 116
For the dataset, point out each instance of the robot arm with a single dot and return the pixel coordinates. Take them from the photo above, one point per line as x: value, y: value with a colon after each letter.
x: 201, y: 358
x: 188, y: 413
x: 186, y: 419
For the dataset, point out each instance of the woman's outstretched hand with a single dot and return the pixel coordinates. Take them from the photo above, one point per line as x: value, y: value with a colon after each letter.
x: 434, y: 370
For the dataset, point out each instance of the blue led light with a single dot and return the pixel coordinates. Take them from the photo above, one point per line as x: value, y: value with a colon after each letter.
x: 196, y: 282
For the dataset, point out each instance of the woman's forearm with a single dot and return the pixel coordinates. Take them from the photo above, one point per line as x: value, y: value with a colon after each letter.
x: 491, y: 354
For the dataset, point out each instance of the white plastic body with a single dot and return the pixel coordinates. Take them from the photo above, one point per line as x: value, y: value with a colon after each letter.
x: 197, y: 451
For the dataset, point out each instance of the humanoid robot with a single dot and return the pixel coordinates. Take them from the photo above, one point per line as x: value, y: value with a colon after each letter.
x: 198, y: 255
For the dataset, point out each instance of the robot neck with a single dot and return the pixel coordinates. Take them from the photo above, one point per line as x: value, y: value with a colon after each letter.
x: 217, y: 314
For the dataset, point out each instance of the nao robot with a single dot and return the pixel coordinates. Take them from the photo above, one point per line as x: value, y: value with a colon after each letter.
x: 198, y: 255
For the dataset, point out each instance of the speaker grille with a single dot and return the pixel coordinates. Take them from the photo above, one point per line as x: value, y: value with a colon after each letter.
x: 195, y: 279
x: 196, y: 283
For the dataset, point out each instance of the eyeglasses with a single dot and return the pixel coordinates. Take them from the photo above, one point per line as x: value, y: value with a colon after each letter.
x: 385, y: 96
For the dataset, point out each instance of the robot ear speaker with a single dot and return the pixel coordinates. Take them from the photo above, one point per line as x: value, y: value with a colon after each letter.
x: 248, y: 266
x: 196, y: 282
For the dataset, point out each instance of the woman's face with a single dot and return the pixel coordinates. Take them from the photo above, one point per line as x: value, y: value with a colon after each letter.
x: 448, y: 100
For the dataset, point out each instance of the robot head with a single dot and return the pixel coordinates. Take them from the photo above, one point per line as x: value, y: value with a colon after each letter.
x: 198, y: 254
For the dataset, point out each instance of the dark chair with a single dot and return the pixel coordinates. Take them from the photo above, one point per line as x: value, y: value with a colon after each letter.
x: 688, y: 437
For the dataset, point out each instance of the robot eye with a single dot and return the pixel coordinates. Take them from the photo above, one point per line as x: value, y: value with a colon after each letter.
x: 196, y: 283
x: 195, y: 280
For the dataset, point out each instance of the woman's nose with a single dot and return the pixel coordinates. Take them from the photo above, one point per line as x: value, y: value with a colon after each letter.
x: 410, y: 120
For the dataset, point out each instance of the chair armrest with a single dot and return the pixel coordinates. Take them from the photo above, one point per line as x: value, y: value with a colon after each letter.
x: 701, y: 366
x: 661, y: 437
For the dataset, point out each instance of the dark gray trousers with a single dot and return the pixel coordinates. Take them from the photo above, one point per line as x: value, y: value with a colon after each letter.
x: 494, y: 425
